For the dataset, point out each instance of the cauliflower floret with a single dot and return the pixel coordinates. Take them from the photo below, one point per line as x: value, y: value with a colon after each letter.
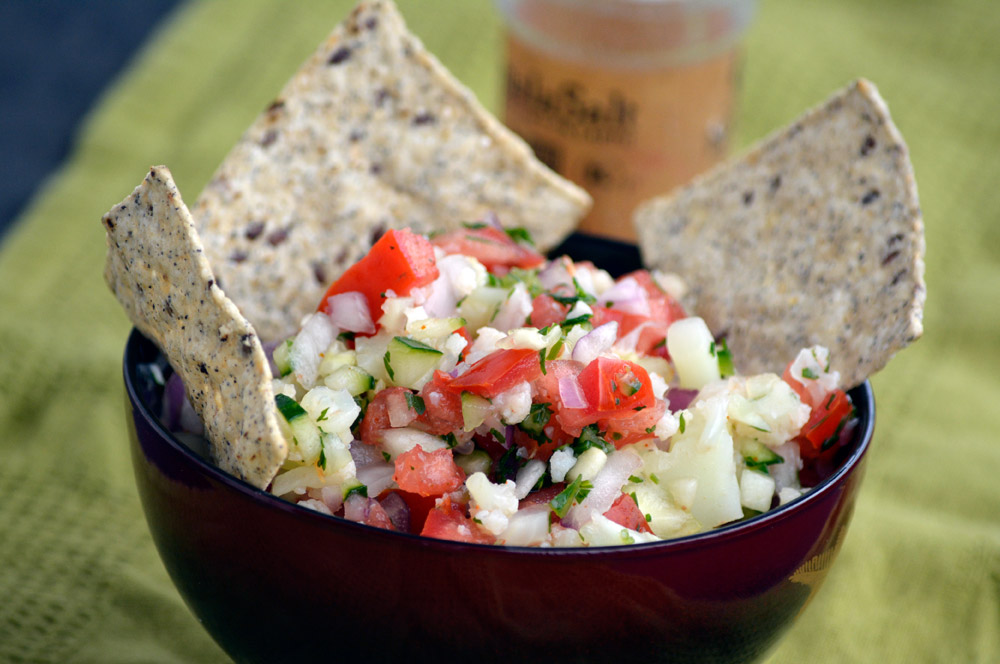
x: 492, y: 504
x: 514, y: 404
x: 560, y: 462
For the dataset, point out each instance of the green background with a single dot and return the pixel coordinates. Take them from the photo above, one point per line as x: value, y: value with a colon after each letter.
x: 918, y: 578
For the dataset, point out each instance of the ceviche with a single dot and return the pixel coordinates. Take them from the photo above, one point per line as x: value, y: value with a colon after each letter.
x: 465, y: 387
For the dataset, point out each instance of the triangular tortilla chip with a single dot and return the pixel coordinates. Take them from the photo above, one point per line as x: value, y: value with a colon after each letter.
x: 813, y: 237
x: 157, y: 269
x: 371, y: 133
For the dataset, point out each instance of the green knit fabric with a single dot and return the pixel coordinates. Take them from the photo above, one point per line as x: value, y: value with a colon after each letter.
x: 918, y: 578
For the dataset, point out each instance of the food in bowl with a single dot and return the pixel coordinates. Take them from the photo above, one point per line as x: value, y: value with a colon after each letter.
x: 466, y: 388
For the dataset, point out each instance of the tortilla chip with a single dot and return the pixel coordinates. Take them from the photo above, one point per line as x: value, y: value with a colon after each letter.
x: 157, y: 269
x: 371, y: 133
x: 812, y: 237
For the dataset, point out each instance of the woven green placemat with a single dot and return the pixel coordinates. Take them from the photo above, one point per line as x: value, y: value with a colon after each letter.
x: 918, y: 578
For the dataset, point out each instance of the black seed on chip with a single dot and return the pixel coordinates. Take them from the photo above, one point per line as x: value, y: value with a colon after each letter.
x: 339, y: 56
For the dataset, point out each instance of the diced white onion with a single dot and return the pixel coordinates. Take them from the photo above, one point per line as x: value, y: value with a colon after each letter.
x: 598, y: 340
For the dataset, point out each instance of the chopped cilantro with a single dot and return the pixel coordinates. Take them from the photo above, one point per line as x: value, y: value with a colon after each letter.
x: 683, y: 425
x: 591, y: 437
x: 346, y: 336
x: 541, y: 360
x: 519, y: 234
x: 360, y: 490
x: 322, y: 416
x: 416, y: 402
x: 497, y: 436
x: 725, y: 360
x: 634, y: 478
x: 388, y: 367
x: 651, y: 429
x: 450, y: 439
x: 627, y: 537
x: 649, y: 517
x: 534, y: 423
x: 554, y: 351
x: 322, y: 458
x: 386, y: 456
x: 508, y: 465
x: 807, y: 372
x: 576, y: 320
x: 654, y: 478
x: 474, y: 225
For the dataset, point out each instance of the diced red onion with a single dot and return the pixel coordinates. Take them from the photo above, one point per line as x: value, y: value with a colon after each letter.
x: 595, y: 342
x: 357, y: 508
x: 627, y: 295
x: 364, y: 455
x: 571, y: 393
x: 397, y: 510
x: 508, y: 436
x: 555, y: 274
x: 492, y: 219
x: 679, y: 398
x: 349, y: 311
x: 607, y: 487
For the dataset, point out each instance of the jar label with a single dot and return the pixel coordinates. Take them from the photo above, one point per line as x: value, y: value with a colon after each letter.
x: 624, y: 135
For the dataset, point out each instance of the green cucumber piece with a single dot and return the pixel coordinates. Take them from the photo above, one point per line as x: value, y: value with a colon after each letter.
x: 352, y: 378
x: 475, y: 409
x: 282, y: 356
x: 409, y: 362
x: 759, y: 456
x: 476, y: 461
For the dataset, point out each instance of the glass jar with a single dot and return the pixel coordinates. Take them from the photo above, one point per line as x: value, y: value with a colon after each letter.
x: 627, y: 98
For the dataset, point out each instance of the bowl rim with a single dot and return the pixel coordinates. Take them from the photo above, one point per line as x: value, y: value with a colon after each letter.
x: 862, y: 396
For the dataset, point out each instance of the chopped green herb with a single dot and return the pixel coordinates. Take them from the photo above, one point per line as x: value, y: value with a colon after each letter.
x: 682, y: 424
x: 474, y: 225
x: 654, y: 478
x: 541, y: 360
x: 576, y: 491
x: 360, y: 490
x: 634, y: 478
x: 519, y: 234
x: 346, y: 336
x: 322, y: 458
x: 388, y: 367
x: 554, y: 351
x: 497, y: 436
x: 725, y: 360
x: 807, y: 372
x: 589, y: 437
x: 579, y: 296
x: 649, y: 517
x: 416, y: 402
x: 651, y: 429
x: 508, y: 465
x: 661, y: 343
x: 322, y: 416
x: 386, y: 456
x: 576, y: 320
x: 451, y: 440
x: 627, y: 537
x: 534, y: 423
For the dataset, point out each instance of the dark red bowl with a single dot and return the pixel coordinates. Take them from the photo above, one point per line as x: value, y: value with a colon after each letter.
x: 274, y: 582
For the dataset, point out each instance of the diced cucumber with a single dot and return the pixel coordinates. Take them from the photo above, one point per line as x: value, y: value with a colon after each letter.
x: 283, y: 357
x: 481, y: 305
x: 305, y: 433
x: 409, y: 363
x: 759, y: 456
x: 433, y: 330
x: 336, y: 357
x: 352, y: 486
x: 588, y: 464
x: 475, y: 410
x: 476, y: 461
x: 692, y: 350
x: 664, y: 517
x: 352, y: 378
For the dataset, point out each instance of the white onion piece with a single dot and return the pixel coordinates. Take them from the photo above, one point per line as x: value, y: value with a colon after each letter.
x: 377, y: 477
x: 400, y: 413
x: 527, y: 527
x: 315, y: 337
x: 527, y: 477
x: 333, y: 497
x: 349, y: 311
x: 571, y: 393
x: 398, y: 441
x: 595, y: 342
x: 607, y: 487
x: 515, y: 310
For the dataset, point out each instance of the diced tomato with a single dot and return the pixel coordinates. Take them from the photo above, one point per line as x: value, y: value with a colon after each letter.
x: 626, y: 513
x: 651, y: 336
x: 468, y: 341
x: 490, y: 246
x: 400, y: 261
x: 545, y: 311
x: 826, y: 419
x: 663, y: 306
x: 427, y: 473
x: 499, y: 371
x: 376, y: 419
x: 615, y: 387
x: 442, y: 406
x: 448, y: 521
x: 623, y: 430
x: 572, y: 420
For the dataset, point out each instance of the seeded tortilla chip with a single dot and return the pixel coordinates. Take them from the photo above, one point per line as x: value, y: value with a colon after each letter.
x: 157, y: 269
x: 371, y: 133
x: 812, y: 237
